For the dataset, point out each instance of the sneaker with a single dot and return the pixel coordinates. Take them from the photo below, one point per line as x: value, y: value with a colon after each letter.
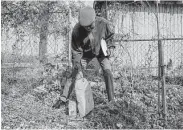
x: 58, y: 104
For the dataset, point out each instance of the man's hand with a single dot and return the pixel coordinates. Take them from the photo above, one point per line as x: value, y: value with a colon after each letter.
x: 89, y: 37
x: 121, y: 37
x: 110, y: 51
x: 85, y: 40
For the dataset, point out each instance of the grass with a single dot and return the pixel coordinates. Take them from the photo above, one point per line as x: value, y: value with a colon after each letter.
x: 136, y: 106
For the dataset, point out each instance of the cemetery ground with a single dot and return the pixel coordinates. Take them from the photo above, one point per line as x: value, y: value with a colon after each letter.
x: 27, y: 96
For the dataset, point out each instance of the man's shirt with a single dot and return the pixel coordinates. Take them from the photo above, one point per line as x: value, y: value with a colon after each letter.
x: 103, y: 29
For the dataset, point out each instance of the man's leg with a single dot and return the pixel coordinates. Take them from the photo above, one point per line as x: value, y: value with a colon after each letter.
x: 76, y: 61
x: 108, y: 77
x: 75, y: 73
x: 69, y: 86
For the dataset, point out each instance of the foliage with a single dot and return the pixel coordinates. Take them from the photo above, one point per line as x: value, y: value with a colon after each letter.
x: 135, y: 107
x: 136, y: 92
x: 25, y: 18
x: 30, y: 13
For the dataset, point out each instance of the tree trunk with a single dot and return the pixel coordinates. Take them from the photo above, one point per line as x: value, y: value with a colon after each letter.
x: 43, y: 35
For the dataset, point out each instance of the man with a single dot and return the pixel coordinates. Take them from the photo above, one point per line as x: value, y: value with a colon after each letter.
x: 86, y: 44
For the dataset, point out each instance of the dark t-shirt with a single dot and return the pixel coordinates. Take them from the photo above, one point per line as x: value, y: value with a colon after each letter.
x: 103, y: 29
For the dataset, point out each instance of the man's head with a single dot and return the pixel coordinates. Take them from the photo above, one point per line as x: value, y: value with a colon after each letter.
x: 87, y: 18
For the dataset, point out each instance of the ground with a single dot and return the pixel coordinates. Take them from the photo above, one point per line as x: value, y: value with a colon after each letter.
x: 25, y: 105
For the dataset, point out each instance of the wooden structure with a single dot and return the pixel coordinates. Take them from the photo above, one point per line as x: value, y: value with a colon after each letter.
x: 148, y: 21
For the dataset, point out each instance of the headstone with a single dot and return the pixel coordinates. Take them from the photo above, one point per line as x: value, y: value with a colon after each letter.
x: 72, y: 108
x: 84, y: 96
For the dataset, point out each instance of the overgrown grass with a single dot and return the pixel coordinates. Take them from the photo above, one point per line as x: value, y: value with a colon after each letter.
x: 136, y: 102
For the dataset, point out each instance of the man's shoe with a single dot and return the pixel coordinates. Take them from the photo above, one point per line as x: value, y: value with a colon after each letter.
x: 58, y: 104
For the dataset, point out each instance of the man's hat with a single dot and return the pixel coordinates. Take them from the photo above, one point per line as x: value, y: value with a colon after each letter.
x: 86, y: 16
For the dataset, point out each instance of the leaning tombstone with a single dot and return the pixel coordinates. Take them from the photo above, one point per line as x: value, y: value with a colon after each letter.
x: 84, y: 96
x: 72, y: 108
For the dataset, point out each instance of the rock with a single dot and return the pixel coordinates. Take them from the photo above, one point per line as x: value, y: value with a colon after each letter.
x: 40, y: 89
x: 119, y: 125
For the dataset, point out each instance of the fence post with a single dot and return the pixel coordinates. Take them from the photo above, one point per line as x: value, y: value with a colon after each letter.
x: 159, y: 88
x: 69, y: 20
x: 159, y: 65
x: 161, y: 82
x: 44, y: 35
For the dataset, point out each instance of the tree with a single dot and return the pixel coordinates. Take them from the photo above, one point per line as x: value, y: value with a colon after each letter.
x: 38, y: 17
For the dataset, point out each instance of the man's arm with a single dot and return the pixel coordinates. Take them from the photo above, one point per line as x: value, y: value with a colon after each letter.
x: 109, y: 34
x: 75, y: 42
x: 77, y: 54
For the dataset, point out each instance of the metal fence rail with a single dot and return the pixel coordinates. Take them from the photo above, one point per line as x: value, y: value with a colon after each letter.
x: 140, y: 50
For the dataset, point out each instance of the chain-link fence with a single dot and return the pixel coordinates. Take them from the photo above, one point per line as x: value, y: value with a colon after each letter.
x: 135, y: 64
x: 20, y: 47
x: 141, y: 22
